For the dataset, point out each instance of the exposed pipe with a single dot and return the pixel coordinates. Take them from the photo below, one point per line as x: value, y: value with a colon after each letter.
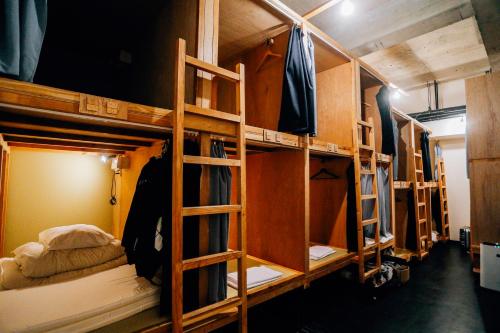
x: 436, y: 94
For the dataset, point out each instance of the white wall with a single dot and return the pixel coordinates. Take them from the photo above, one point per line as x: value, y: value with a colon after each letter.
x: 446, y: 128
x: 451, y: 93
x: 457, y: 184
x: 48, y: 188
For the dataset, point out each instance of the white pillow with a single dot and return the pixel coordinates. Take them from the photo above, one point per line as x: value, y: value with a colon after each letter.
x: 74, y: 237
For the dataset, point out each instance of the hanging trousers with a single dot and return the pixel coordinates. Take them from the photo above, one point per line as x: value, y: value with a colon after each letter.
x: 220, y: 194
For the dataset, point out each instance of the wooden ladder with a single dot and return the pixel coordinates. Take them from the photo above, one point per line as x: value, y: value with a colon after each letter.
x: 419, y: 197
x: 364, y: 153
x: 443, y: 198
x: 180, y: 320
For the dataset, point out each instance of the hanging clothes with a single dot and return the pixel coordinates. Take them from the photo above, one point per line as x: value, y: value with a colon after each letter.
x: 384, y: 201
x: 298, y: 101
x: 437, y: 154
x: 367, y: 206
x: 147, y: 236
x: 426, y: 156
x: 436, y: 211
x: 390, y: 132
x: 220, y: 194
x: 21, y: 36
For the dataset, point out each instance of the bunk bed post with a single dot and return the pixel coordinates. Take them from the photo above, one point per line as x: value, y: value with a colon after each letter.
x: 4, y: 178
x: 242, y: 232
x: 177, y: 190
x: 307, y: 198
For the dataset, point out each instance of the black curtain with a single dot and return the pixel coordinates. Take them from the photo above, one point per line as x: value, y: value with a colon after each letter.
x: 220, y: 194
x: 298, y: 102
x: 426, y: 156
x: 436, y: 210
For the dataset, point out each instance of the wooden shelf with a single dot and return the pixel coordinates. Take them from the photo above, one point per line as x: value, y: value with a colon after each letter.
x: 291, y: 279
x: 404, y: 254
x: 338, y: 260
x: 402, y: 185
x: 323, y: 148
x: 260, y: 137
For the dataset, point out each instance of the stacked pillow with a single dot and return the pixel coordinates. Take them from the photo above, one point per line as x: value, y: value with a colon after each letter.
x: 61, y: 254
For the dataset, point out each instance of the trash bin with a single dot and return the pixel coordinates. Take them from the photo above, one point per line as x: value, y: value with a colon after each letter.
x: 465, y: 238
x: 490, y: 266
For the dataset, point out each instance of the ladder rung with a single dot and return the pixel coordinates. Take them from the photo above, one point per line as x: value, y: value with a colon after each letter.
x: 422, y: 221
x: 212, y: 113
x: 212, y: 69
x: 445, y: 212
x: 368, y: 196
x: 365, y: 124
x: 367, y: 172
x: 366, y: 147
x: 210, y: 259
x: 189, y: 159
x: 210, y: 210
x: 423, y: 237
x: 421, y: 204
x: 418, y: 155
x: 443, y: 186
x: 371, y: 272
x: 446, y: 225
x: 368, y: 222
x: 418, y: 171
x: 370, y: 247
x: 209, y: 311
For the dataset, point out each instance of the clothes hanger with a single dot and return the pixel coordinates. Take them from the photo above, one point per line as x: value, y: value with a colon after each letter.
x: 323, y: 171
x: 267, y: 54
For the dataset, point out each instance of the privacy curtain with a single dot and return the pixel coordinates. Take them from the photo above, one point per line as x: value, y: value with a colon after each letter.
x: 220, y: 194
x: 426, y: 156
x: 22, y: 28
x: 298, y: 102
x: 390, y: 132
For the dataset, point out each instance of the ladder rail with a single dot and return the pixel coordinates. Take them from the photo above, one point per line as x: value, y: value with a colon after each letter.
x: 179, y: 319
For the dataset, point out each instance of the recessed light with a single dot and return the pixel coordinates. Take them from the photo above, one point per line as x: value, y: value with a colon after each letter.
x: 347, y: 8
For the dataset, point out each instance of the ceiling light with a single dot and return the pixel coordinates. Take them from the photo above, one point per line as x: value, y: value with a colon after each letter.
x: 104, y: 158
x: 396, y: 95
x: 347, y: 8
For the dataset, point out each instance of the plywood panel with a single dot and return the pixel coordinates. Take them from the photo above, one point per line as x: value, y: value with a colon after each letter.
x: 335, y: 88
x: 404, y: 143
x: 485, y: 196
x: 263, y: 88
x: 328, y: 205
x: 370, y: 108
x: 276, y: 207
x: 401, y: 224
x: 483, y: 116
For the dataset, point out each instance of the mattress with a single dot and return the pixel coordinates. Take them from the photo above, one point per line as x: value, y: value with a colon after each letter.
x: 79, y: 305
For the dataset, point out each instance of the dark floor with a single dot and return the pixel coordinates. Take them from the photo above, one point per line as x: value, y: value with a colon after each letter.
x: 443, y: 295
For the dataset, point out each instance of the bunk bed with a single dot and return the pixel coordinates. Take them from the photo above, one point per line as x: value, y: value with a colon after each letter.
x: 278, y: 210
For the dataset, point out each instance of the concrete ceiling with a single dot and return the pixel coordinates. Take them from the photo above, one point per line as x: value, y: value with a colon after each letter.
x: 445, y: 54
x: 413, y: 41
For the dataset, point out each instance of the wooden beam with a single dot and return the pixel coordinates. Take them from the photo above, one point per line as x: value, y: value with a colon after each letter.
x: 320, y: 9
x: 66, y: 148
x: 8, y: 119
x: 21, y: 132
x: 62, y: 143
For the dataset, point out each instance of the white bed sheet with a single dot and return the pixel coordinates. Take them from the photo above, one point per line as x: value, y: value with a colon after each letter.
x: 79, y: 305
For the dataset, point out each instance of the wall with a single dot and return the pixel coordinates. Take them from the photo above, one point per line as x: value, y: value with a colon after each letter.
x: 48, y: 188
x: 451, y: 93
x: 454, y: 156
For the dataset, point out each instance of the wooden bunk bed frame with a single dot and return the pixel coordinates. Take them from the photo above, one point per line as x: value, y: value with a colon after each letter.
x: 43, y: 117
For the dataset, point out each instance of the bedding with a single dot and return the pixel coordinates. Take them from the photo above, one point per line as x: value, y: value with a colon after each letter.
x: 11, y: 276
x: 36, y: 262
x: 74, y: 236
x: 79, y: 305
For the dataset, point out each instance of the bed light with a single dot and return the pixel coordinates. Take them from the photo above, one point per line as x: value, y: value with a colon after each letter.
x: 104, y: 158
x: 347, y: 8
